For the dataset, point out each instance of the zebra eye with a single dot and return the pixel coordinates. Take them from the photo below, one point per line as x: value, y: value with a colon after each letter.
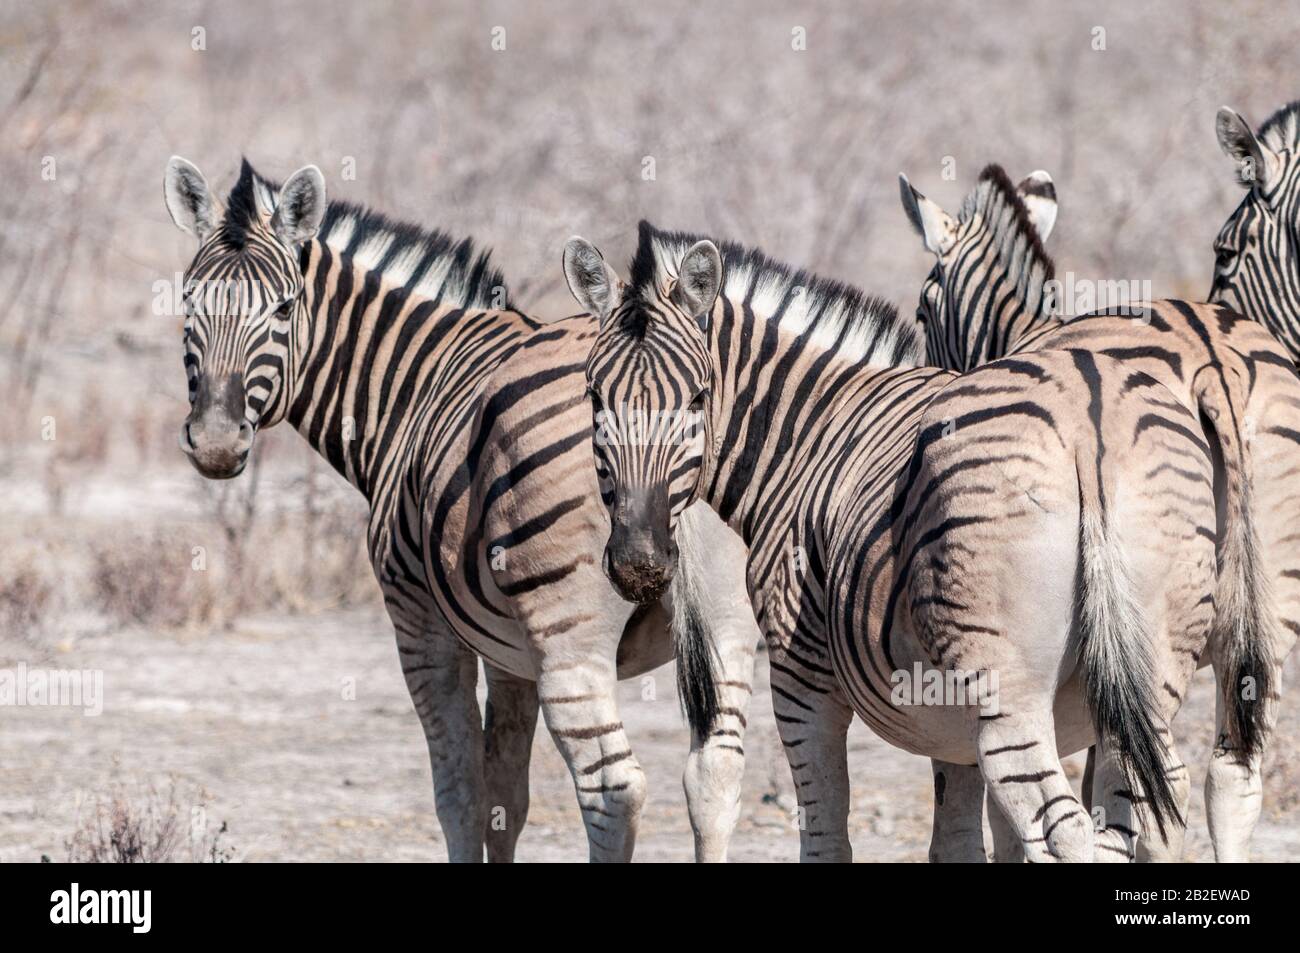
x: 595, y: 398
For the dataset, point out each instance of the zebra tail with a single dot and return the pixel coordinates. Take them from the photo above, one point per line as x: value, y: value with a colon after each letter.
x: 697, y: 680
x: 1117, y: 655
x: 1244, y: 613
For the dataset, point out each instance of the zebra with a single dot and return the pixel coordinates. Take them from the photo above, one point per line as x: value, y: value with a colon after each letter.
x: 1256, y: 259
x: 397, y: 353
x: 990, y: 294
x: 900, y: 516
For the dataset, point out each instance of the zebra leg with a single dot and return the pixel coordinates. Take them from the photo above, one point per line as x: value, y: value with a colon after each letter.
x: 441, y: 676
x: 1125, y: 828
x: 958, y: 833
x: 1017, y: 753
x: 509, y: 723
x: 1154, y: 847
x: 713, y: 591
x: 1112, y: 805
x: 1234, y: 792
x: 715, y: 766
x: 812, y: 719
x: 1007, y: 846
x: 581, y: 711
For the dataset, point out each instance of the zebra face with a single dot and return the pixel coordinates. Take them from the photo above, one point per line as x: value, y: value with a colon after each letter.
x: 242, y: 296
x: 649, y: 378
x: 1257, y: 252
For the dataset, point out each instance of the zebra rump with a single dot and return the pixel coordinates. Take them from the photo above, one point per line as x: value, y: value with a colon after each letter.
x: 697, y: 681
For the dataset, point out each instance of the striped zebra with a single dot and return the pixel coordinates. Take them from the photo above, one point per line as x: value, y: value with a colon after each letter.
x: 396, y: 353
x: 1256, y: 257
x: 990, y: 294
x: 1006, y: 535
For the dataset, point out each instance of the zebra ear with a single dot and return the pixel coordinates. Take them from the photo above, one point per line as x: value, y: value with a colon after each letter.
x: 593, y: 283
x: 189, y: 200
x: 935, y: 226
x: 699, y: 277
x: 300, y: 206
x: 1254, y: 160
x: 1039, y: 195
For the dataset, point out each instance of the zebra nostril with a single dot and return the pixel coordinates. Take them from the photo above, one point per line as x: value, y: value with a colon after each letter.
x: 186, y: 439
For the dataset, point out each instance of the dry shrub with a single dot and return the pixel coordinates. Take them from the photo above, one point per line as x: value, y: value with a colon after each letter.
x: 24, y: 599
x: 82, y: 436
x: 133, y: 580
x: 147, y: 827
x: 322, y: 561
x: 260, y: 548
x: 152, y: 427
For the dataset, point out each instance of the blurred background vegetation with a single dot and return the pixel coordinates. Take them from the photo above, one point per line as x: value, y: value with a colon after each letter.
x: 778, y: 124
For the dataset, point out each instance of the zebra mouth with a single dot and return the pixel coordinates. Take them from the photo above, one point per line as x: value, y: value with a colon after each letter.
x: 220, y: 473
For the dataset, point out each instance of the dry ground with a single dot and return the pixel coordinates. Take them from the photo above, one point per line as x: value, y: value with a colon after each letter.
x: 257, y: 717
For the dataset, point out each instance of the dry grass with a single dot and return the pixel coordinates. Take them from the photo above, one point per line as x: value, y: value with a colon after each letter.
x: 147, y: 826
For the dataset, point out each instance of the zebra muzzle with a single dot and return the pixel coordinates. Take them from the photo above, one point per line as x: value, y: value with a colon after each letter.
x: 640, y: 582
x: 216, y: 436
x: 640, y: 562
x: 220, y: 452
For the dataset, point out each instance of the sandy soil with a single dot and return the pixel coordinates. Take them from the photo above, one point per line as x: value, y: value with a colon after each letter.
x: 257, y: 717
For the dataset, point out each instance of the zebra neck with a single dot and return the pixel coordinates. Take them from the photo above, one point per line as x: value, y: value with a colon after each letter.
x: 369, y: 368
x: 996, y: 329
x: 1035, y: 308
x: 776, y: 394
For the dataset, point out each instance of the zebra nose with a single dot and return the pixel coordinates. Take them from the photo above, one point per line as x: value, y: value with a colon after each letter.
x: 216, y: 445
x: 639, y: 579
x: 640, y: 559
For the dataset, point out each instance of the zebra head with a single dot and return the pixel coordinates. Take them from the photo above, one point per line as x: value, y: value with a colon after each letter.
x: 649, y: 378
x: 987, y: 284
x: 1257, y: 252
x: 242, y: 296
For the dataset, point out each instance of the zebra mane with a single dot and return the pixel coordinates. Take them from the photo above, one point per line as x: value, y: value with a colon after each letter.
x: 427, y: 262
x: 1281, y: 131
x: 1003, y: 210
x: 861, y: 327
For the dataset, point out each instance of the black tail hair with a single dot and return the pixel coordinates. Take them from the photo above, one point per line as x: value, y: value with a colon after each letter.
x: 697, y: 681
